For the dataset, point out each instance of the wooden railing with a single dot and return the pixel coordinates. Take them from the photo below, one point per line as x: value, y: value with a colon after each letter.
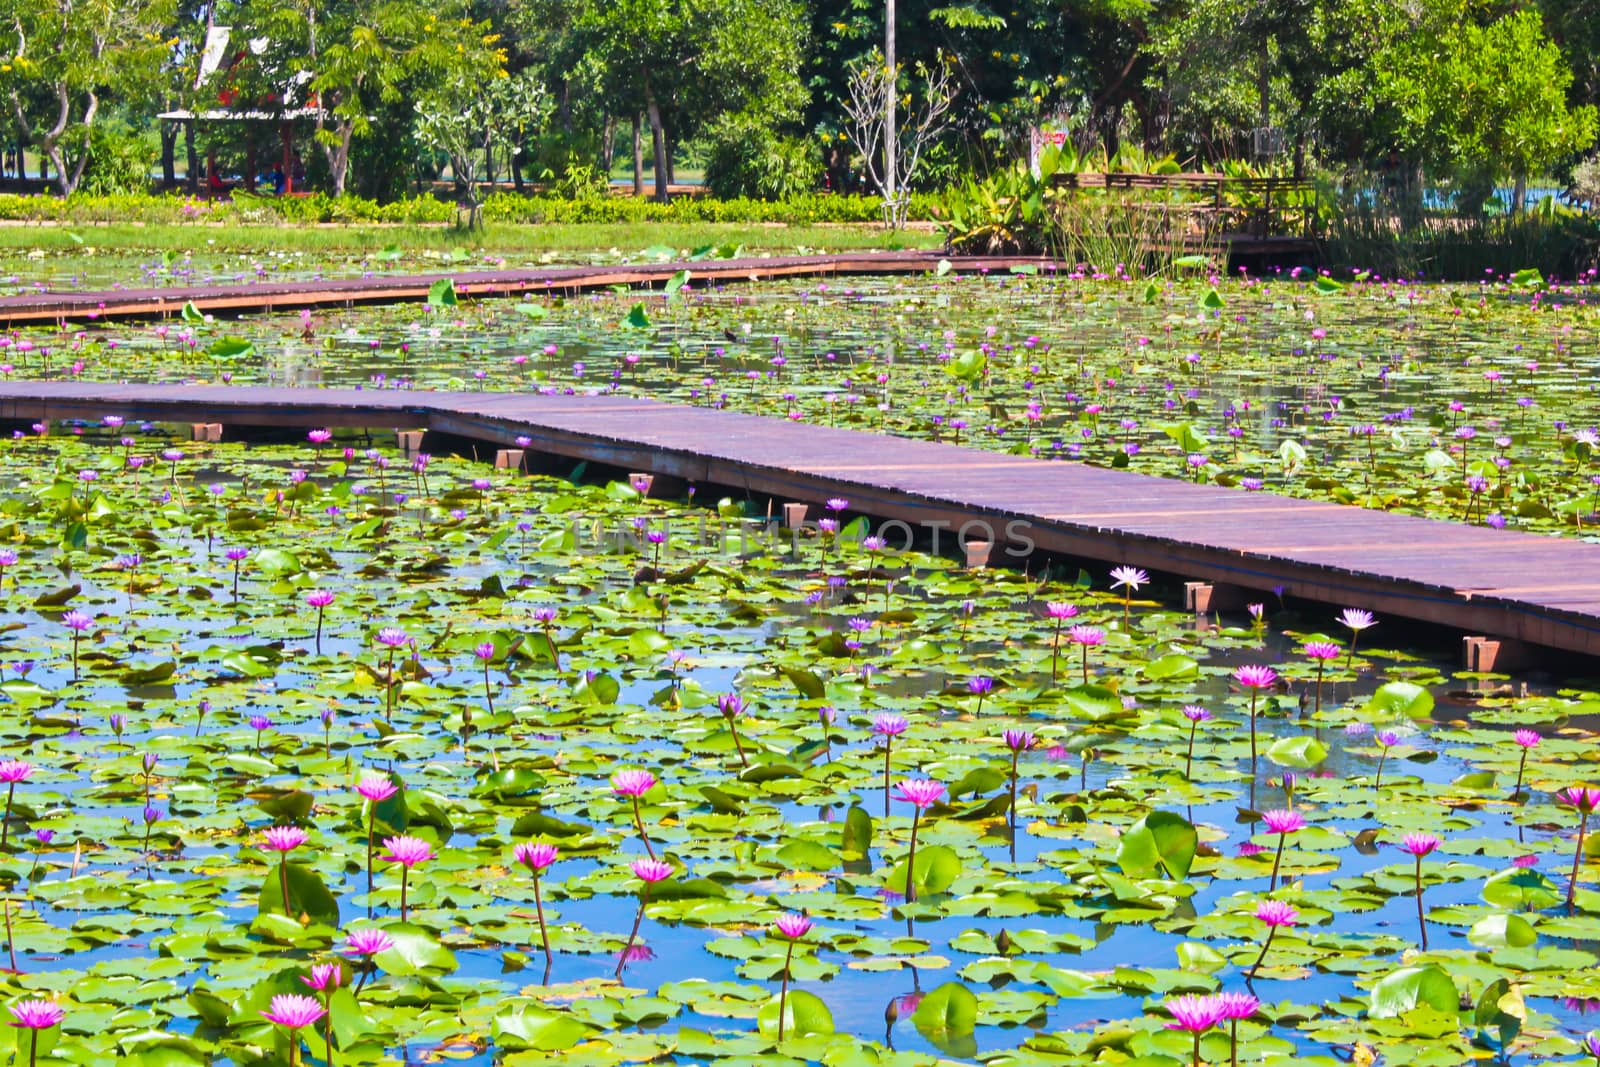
x: 1216, y: 205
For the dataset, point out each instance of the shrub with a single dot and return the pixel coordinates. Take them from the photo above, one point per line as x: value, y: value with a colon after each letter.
x: 505, y: 207
x: 747, y: 159
x: 119, y: 162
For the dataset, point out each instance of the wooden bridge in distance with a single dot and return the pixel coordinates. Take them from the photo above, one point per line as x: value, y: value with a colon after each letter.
x: 1503, y: 585
x: 1203, y: 212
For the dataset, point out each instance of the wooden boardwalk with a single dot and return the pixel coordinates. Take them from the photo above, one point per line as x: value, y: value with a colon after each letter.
x: 56, y: 307
x: 1544, y: 591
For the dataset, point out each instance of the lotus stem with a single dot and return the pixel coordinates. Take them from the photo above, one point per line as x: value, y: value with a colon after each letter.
x: 1577, y: 858
x: 1015, y: 755
x: 372, y: 818
x: 783, y: 990
x: 911, y: 859
x: 639, y: 824
x: 888, y: 744
x: 1272, y: 931
x: 1422, y: 921
x: 544, y: 932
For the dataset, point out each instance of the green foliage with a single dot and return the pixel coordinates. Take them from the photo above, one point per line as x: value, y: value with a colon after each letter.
x: 66, y: 56
x: 119, y: 162
x: 746, y: 158
x: 1162, y: 842
x: 805, y: 209
x: 1484, y: 99
x: 1364, y: 235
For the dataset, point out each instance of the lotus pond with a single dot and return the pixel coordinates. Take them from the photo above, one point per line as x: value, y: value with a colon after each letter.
x: 1470, y: 403
x: 320, y: 721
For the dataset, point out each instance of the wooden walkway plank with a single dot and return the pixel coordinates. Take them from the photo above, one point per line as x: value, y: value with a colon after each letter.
x: 1541, y: 590
x: 51, y: 306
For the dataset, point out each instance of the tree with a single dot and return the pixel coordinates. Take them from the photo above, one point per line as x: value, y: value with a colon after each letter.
x: 690, y: 61
x: 1483, y: 101
x: 892, y: 162
x: 355, y: 57
x: 467, y: 116
x: 66, y: 58
x: 1476, y: 99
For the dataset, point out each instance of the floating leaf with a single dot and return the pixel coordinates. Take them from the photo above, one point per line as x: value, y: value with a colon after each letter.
x: 1161, y: 842
x: 1400, y: 991
x: 442, y: 293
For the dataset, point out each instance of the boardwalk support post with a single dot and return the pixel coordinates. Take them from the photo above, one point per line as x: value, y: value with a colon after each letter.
x: 1487, y: 655
x: 1205, y: 597
x: 508, y: 459
x: 208, y: 432
x: 409, y: 442
x: 794, y: 515
x: 978, y: 554
x: 641, y: 482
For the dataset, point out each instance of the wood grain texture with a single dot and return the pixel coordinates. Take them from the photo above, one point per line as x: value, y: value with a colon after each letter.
x: 1541, y: 590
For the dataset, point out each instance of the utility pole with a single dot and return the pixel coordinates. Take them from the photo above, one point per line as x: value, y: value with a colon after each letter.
x: 890, y: 127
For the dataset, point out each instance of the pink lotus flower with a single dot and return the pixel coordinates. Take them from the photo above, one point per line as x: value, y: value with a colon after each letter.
x: 1283, y: 822
x: 376, y: 787
x: 324, y: 976
x: 650, y: 871
x: 1526, y: 738
x: 889, y: 725
x: 319, y: 598
x: 1194, y: 1013
x: 368, y: 941
x: 13, y: 771
x: 36, y: 1014
x: 1321, y: 650
x: 1276, y: 913
x: 393, y: 637
x: 1195, y: 713
x: 1129, y: 577
x: 535, y: 856
x: 1058, y: 611
x: 1086, y: 635
x: 1237, y: 1005
x: 1018, y: 740
x: 285, y: 838
x: 1584, y: 798
x: 1357, y: 619
x: 1419, y: 845
x: 922, y: 792
x: 632, y: 783
x: 792, y: 925
x: 1255, y: 677
x: 407, y: 851
x: 292, y: 1011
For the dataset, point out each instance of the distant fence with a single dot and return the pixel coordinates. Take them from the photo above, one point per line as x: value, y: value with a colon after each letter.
x: 1198, y: 208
